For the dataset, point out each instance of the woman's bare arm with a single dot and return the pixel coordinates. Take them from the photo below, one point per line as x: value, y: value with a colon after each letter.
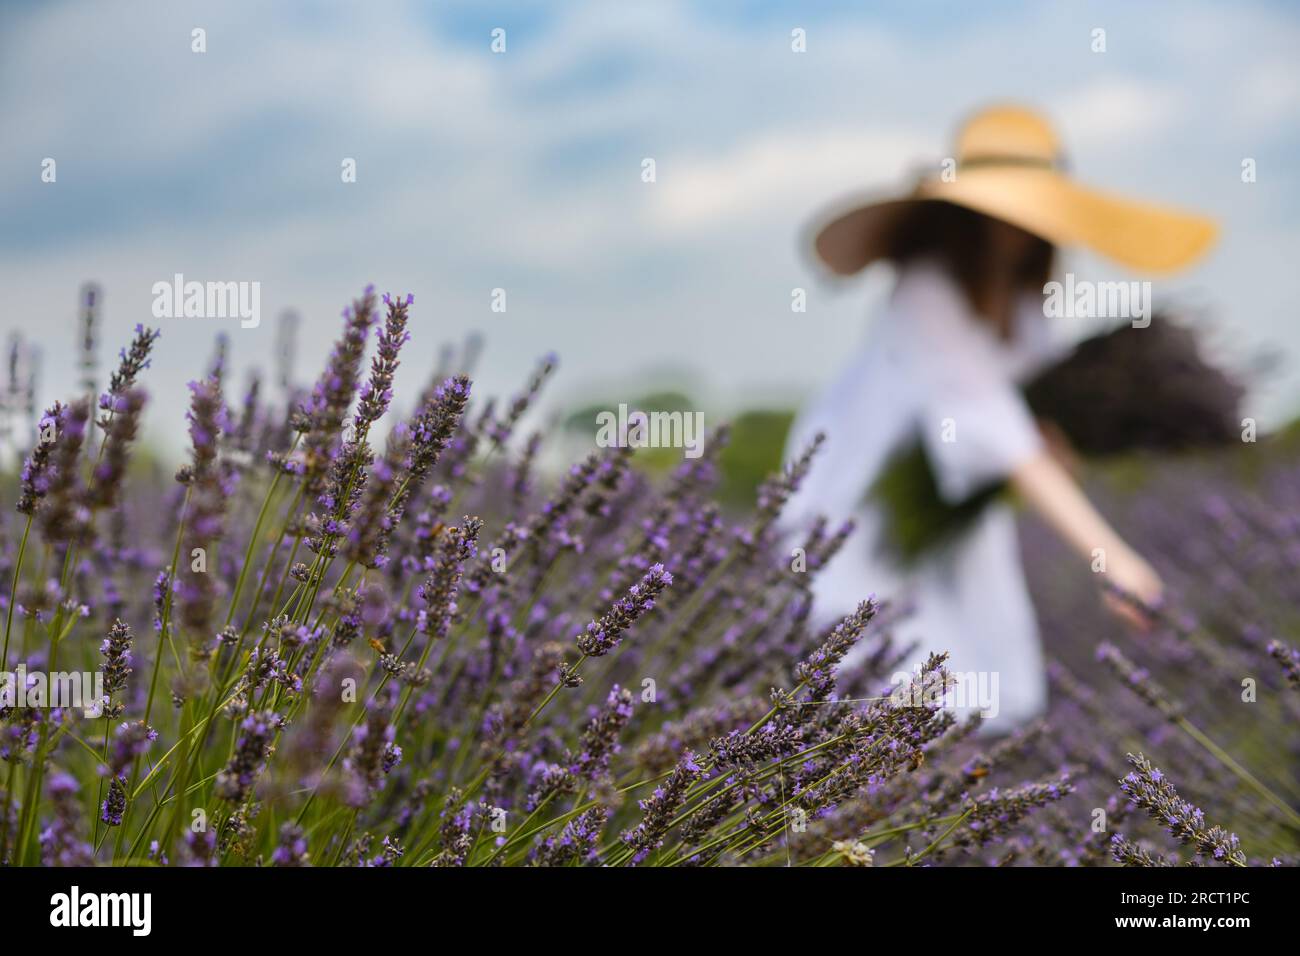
x: 1049, y: 490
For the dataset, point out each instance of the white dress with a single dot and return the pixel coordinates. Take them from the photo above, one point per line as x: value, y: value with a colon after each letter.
x: 930, y: 370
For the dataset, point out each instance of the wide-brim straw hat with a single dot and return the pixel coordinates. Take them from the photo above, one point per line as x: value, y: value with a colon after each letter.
x: 1009, y: 165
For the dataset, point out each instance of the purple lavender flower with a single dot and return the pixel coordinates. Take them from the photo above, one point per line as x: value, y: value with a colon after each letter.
x: 292, y: 848
x: 777, y: 490
x: 1147, y: 787
x: 116, y: 650
x: 521, y: 482
x: 391, y: 851
x: 113, y: 808
x: 373, y: 754
x: 60, y: 843
x: 162, y: 587
x: 600, y: 738
x: 1289, y: 658
x: 256, y: 732
x: 605, y: 633
x: 132, y: 360
x: 208, y: 419
x: 63, y: 516
x: 378, y: 391
x: 211, y: 484
x: 500, y: 431
x: 576, y: 842
x: 35, y: 476
x: 131, y: 741
x: 321, y: 418
x: 412, y: 452
x: 660, y: 807
x: 818, y: 670
x: 339, y: 499
x: 1138, y: 679
x: 439, y: 591
x: 120, y: 427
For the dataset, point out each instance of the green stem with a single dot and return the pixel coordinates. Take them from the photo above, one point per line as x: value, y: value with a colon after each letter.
x: 252, y: 542
x: 164, y: 623
x: 13, y: 593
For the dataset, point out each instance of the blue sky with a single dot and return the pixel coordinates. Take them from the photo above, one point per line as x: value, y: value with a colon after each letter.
x: 522, y: 171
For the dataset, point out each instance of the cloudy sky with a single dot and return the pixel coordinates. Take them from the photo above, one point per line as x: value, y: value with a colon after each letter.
x: 522, y: 170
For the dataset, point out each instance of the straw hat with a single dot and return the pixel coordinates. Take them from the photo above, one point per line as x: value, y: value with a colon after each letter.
x: 1009, y: 165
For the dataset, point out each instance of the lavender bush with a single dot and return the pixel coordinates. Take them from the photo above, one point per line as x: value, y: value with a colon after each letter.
x: 340, y: 639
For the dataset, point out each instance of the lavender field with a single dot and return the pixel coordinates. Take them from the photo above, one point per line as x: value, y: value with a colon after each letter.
x: 343, y: 633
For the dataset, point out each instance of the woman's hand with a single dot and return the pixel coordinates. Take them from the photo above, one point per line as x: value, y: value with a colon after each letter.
x: 1132, y: 575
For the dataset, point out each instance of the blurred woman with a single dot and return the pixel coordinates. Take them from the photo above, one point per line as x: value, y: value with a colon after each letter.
x: 972, y: 249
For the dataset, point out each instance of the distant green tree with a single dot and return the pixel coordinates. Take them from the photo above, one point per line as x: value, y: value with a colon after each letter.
x: 756, y: 449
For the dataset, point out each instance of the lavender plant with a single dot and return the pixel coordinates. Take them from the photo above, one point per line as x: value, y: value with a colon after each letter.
x: 328, y: 646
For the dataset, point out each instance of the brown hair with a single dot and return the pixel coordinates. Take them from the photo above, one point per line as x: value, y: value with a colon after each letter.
x: 959, y: 239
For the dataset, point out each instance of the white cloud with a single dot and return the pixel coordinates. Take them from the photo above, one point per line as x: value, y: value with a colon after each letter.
x: 1119, y: 113
x: 778, y: 173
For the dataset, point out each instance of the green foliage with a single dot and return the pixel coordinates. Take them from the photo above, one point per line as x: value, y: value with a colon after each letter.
x: 756, y: 450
